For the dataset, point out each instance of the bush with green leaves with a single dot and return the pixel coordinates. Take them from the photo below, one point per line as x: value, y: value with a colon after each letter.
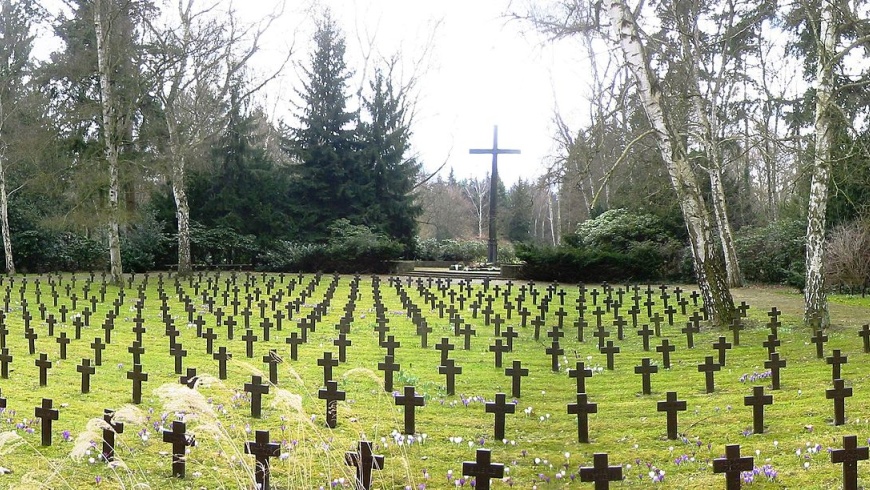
x: 617, y: 245
x: 42, y: 250
x: 350, y: 248
x: 773, y: 254
x: 464, y: 251
x: 221, y: 245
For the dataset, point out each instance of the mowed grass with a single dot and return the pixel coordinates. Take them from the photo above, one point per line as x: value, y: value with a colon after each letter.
x: 540, y: 448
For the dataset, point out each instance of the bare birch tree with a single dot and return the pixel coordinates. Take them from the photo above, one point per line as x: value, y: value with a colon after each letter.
x: 198, y: 54
x: 111, y: 133
x: 712, y: 280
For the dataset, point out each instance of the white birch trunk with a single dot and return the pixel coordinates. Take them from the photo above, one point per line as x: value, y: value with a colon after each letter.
x: 182, y: 209
x: 110, y: 117
x: 726, y: 238
x: 712, y: 281
x: 4, y: 219
x: 815, y: 296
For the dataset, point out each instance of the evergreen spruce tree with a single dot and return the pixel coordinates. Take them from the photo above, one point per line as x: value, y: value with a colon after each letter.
x: 391, y: 173
x: 328, y: 181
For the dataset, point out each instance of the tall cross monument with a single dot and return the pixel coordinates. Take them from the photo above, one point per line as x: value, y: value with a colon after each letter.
x: 492, y: 248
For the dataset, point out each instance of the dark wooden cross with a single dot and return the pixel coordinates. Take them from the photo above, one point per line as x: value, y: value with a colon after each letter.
x: 109, y: 430
x: 736, y: 327
x: 849, y: 457
x: 708, y: 367
x: 601, y: 334
x: 645, y: 334
x: 582, y: 409
x: 500, y: 407
x: 836, y: 361
x: 295, y: 341
x: 600, y: 472
x: 249, y: 339
x: 839, y: 393
x: 47, y: 415
x: 257, y: 389
x: 180, y: 441
x: 222, y: 356
x: 273, y: 359
x: 690, y: 330
x: 722, y: 346
x: 580, y: 373
x: 671, y: 406
x: 509, y: 335
x: 864, y: 333
x: 31, y: 337
x: 665, y: 349
x: 332, y: 395
x: 516, y: 372
x: 342, y: 342
x: 43, y: 364
x: 87, y: 370
x: 445, y: 347
x: 177, y: 351
x: 409, y: 400
x: 5, y: 360
x: 498, y: 349
x: 774, y: 363
x: 554, y: 351
x: 732, y: 465
x: 771, y: 344
x: 137, y: 376
x: 364, y: 460
x: 483, y: 469
x: 757, y: 401
x: 610, y: 351
x: 646, y: 370
x: 262, y: 449
x: 389, y: 367
x: 819, y: 338
x: 450, y: 370
x: 327, y: 363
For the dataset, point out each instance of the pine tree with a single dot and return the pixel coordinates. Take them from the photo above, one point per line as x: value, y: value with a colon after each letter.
x: 328, y: 182
x: 391, y: 173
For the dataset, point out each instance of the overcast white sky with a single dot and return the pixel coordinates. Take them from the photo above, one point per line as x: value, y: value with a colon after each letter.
x: 481, y: 70
x: 476, y: 69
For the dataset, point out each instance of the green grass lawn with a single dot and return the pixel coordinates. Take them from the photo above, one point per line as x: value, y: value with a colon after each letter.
x: 540, y: 448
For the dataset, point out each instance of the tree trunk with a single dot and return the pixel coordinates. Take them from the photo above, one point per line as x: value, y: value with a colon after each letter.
x: 815, y: 296
x: 712, y: 281
x: 4, y: 220
x: 726, y: 238
x: 182, y: 213
x: 110, y: 129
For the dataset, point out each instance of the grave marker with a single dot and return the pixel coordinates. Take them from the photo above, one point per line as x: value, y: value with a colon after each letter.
x: 849, y: 457
x: 180, y: 441
x: 582, y: 409
x: 757, y: 401
x: 47, y: 415
x: 600, y: 472
x: 409, y: 400
x: 732, y: 464
x: 671, y: 406
x: 364, y: 460
x: 262, y: 449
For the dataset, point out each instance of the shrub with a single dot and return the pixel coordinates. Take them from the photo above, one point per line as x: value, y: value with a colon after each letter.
x: 616, y: 245
x: 221, y: 245
x: 350, y: 249
x: 847, y: 259
x: 773, y: 254
x: 451, y: 250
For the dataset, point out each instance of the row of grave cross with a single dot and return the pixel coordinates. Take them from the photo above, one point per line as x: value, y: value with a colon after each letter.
x: 482, y: 469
